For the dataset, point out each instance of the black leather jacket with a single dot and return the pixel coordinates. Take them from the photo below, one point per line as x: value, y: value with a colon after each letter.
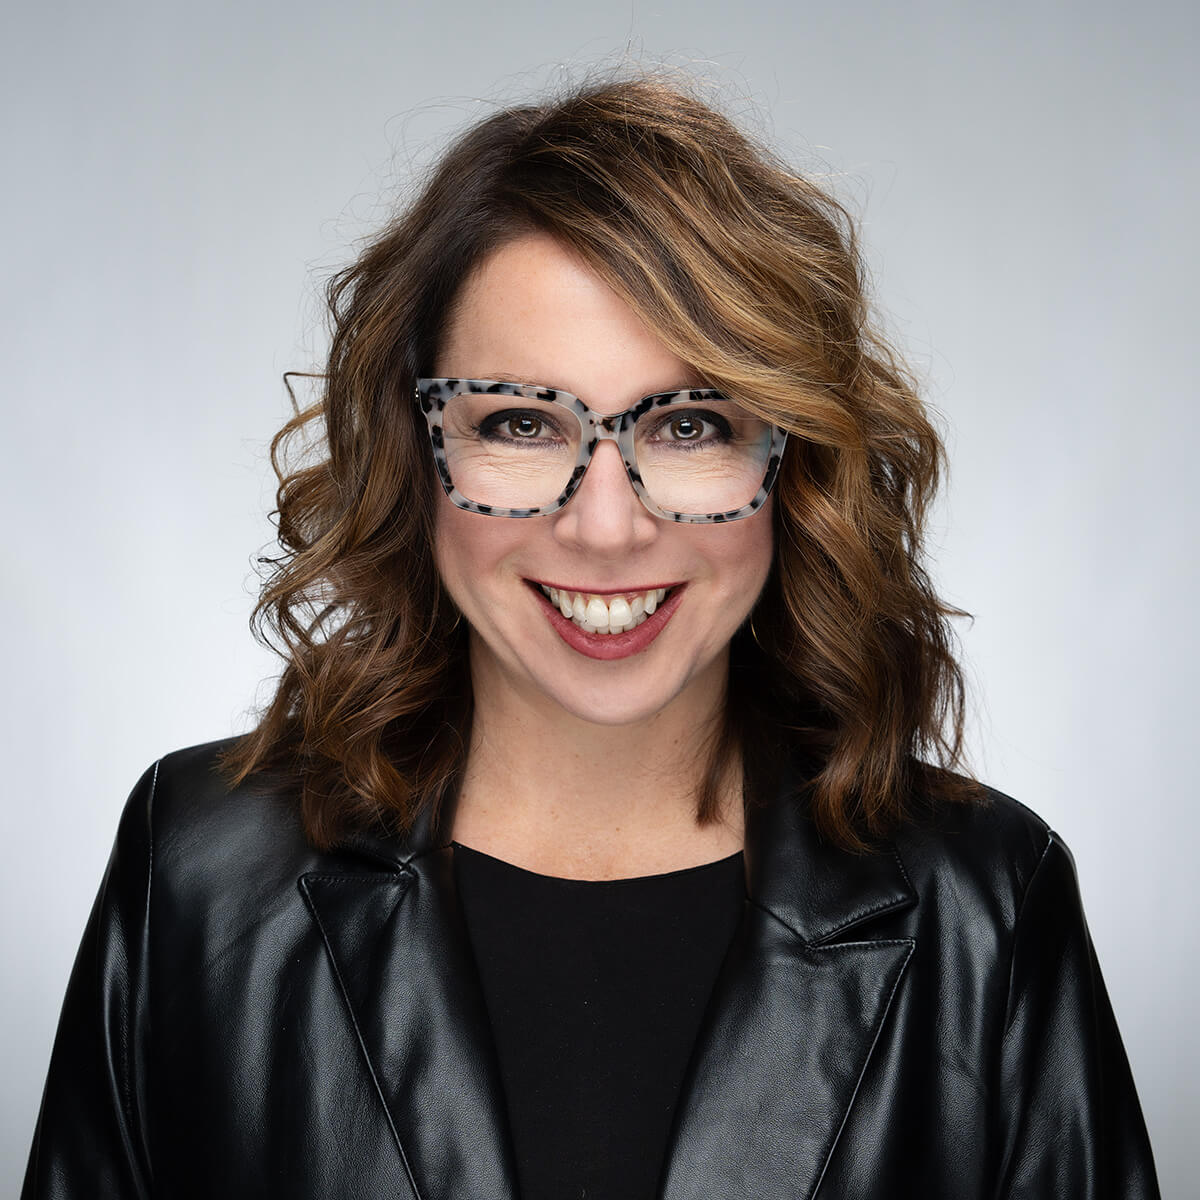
x: 250, y: 1018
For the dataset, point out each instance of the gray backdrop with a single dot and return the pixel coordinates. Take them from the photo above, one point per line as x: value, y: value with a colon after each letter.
x: 179, y: 178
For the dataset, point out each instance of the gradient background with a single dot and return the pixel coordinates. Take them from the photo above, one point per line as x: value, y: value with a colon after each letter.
x: 180, y: 179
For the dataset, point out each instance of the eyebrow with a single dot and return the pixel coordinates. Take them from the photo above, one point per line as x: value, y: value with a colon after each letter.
x: 504, y: 377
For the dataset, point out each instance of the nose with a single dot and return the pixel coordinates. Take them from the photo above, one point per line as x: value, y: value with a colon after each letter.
x: 604, y: 517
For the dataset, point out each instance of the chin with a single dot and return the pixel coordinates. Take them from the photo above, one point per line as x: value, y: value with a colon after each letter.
x: 623, y: 698
x: 613, y: 712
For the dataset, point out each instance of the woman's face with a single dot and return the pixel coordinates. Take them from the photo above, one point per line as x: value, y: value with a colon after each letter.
x: 534, y: 313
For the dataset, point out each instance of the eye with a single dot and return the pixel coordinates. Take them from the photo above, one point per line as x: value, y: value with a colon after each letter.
x: 516, y: 425
x: 522, y: 426
x: 693, y: 427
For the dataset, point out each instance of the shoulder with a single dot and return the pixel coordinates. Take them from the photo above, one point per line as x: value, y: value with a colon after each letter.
x: 996, y: 833
x: 205, y: 837
x: 194, y: 801
x: 981, y: 857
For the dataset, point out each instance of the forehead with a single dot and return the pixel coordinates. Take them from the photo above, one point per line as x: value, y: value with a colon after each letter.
x: 534, y: 312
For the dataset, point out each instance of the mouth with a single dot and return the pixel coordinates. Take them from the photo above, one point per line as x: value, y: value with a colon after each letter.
x: 606, y: 612
x: 608, y: 625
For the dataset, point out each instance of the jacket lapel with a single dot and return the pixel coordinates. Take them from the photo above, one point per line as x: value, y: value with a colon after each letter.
x: 787, y: 1036
x: 402, y: 958
x: 793, y: 1018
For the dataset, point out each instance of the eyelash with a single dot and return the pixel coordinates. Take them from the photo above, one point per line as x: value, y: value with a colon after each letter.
x: 487, y: 428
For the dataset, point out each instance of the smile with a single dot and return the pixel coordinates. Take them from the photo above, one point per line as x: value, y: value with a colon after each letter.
x: 610, y: 625
x: 605, y: 614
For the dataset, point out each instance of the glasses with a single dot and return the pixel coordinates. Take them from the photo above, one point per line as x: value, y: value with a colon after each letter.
x: 520, y: 450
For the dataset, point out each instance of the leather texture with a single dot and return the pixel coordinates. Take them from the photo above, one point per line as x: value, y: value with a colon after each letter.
x: 250, y: 1018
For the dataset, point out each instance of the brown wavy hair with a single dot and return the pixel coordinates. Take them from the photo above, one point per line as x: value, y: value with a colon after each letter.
x: 745, y: 269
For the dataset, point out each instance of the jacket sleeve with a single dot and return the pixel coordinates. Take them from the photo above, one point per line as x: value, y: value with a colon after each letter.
x: 90, y: 1138
x: 1072, y: 1125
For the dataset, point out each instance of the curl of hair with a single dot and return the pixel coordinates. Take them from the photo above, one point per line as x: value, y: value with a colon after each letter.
x: 746, y: 270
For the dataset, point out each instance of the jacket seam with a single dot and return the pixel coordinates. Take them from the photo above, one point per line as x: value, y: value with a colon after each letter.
x: 402, y: 875
x: 1016, y: 931
x: 1004, y: 1165
x: 822, y: 944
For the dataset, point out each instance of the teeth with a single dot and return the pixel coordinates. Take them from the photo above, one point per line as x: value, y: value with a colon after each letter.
x: 596, y: 615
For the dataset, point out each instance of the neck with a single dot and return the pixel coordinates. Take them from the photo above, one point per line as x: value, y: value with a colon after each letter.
x: 563, y: 796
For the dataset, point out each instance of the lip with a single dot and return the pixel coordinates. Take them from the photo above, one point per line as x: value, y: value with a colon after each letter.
x: 610, y: 646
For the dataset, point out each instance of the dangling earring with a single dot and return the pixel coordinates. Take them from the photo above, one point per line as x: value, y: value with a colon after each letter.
x: 754, y: 635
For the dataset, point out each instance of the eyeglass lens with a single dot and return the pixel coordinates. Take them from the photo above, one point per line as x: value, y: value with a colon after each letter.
x: 693, y: 456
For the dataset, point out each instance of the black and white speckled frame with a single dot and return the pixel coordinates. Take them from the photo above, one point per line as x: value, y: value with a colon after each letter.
x: 432, y: 395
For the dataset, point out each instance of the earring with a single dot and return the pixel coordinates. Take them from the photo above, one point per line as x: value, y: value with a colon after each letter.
x: 754, y: 634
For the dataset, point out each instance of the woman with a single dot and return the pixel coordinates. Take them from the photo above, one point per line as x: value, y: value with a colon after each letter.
x: 590, y: 845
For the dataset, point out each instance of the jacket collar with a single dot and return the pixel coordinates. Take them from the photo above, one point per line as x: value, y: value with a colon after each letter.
x: 789, y: 1029
x: 815, y: 889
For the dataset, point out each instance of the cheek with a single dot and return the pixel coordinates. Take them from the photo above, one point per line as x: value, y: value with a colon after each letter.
x: 741, y: 553
x: 468, y: 547
x: 456, y: 547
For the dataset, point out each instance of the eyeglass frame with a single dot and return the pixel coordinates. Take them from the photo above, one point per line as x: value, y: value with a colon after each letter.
x: 431, y: 396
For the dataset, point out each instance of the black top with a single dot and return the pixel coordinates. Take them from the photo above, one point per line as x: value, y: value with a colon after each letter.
x: 595, y: 990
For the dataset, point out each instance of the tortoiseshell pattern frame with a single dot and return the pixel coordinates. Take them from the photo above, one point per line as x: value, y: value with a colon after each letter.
x: 432, y: 395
